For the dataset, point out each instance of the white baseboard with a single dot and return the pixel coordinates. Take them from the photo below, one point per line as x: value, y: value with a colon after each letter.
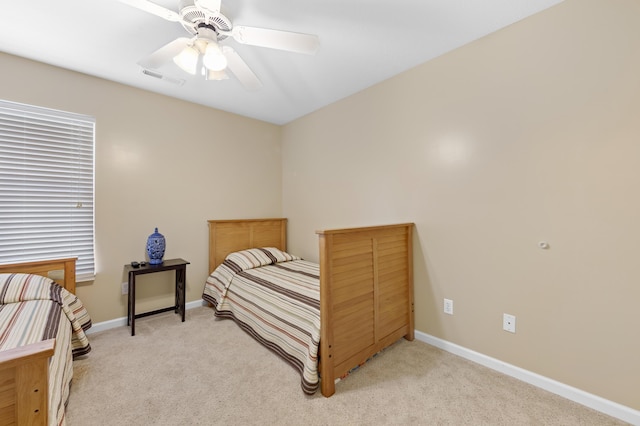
x: 595, y: 402
x: 119, y: 322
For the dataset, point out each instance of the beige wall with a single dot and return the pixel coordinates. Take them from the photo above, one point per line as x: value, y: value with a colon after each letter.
x: 530, y: 134
x: 160, y: 162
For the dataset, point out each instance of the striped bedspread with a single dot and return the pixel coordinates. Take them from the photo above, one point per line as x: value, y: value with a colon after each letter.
x: 275, y: 297
x: 34, y: 308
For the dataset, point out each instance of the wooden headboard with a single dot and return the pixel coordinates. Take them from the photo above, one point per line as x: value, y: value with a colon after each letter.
x: 227, y: 236
x: 45, y: 268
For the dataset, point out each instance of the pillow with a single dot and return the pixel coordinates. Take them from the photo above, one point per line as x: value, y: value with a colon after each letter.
x: 18, y: 287
x: 256, y: 257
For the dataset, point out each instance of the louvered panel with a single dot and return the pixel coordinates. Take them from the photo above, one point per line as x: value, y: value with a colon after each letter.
x: 348, y: 250
x: 396, y: 256
x: 393, y: 289
x: 355, y: 289
x: 346, y: 313
x: 391, y: 267
x: 347, y: 261
x: 392, y: 322
x: 351, y: 278
x: 353, y: 336
x: 397, y: 303
x: 391, y: 271
x: 342, y: 241
x: 353, y: 263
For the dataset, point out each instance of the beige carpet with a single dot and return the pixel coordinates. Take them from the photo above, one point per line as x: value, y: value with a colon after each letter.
x: 206, y: 372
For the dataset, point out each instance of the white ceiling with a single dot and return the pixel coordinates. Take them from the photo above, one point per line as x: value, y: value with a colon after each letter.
x: 362, y: 42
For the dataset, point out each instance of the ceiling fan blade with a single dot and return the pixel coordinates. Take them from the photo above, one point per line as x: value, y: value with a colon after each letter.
x: 276, y: 39
x: 154, y: 9
x: 212, y: 7
x: 240, y: 69
x: 164, y: 54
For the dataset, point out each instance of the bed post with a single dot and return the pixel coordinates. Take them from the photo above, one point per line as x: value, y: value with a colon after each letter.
x: 70, y: 275
x: 327, y: 379
x: 411, y: 320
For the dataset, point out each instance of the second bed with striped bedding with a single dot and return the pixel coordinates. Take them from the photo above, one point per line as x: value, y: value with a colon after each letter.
x: 275, y: 297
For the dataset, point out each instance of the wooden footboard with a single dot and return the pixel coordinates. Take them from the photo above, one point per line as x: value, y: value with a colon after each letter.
x: 24, y: 371
x: 366, y: 295
x: 24, y: 384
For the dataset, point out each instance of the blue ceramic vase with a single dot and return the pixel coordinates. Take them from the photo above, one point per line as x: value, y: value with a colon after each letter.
x: 155, y: 248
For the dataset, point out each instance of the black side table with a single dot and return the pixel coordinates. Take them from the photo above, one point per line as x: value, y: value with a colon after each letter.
x: 177, y: 265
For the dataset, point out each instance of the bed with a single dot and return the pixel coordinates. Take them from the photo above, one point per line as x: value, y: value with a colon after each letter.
x: 42, y: 326
x: 355, y: 302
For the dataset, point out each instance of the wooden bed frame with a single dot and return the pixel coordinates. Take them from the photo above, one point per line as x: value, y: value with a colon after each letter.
x: 366, y: 285
x: 24, y: 371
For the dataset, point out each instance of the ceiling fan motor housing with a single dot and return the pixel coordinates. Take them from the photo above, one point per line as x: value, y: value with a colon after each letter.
x: 194, y: 19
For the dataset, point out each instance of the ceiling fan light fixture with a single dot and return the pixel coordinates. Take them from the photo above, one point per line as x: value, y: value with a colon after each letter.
x: 187, y: 59
x: 213, y: 57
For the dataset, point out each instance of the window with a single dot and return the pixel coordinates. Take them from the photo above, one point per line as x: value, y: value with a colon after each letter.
x: 46, y: 186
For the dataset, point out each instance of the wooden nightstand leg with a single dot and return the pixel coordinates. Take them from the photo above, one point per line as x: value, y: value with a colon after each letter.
x: 132, y: 295
x: 129, y: 300
x: 181, y: 290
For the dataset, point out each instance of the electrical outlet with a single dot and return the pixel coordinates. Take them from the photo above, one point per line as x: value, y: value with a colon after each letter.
x: 448, y: 306
x: 509, y: 323
x: 125, y: 287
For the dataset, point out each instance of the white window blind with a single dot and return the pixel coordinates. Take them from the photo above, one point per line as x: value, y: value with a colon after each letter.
x: 46, y: 186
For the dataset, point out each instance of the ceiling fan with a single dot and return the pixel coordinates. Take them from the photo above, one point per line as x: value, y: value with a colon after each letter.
x: 203, y: 53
